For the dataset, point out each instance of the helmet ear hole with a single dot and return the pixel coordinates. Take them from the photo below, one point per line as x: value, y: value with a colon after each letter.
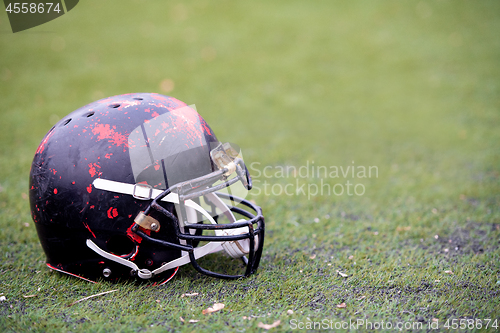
x: 121, y: 245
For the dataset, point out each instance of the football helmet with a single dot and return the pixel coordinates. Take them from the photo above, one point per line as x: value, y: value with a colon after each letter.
x: 136, y: 185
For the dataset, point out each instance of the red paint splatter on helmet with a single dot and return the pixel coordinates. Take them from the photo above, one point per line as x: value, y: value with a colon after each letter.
x: 93, y: 171
x: 188, y: 120
x: 112, y: 212
x: 206, y: 128
x: 135, y: 237
x: 41, y: 147
x: 106, y: 132
x: 172, y: 103
x: 88, y: 228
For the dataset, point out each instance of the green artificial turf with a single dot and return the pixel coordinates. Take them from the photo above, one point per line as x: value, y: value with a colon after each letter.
x: 410, y: 88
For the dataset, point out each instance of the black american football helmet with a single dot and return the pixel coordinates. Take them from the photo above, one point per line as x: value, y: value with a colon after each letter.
x: 136, y: 185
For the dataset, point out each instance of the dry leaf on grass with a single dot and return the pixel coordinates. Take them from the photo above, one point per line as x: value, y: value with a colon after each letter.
x: 290, y: 312
x: 214, y: 308
x: 342, y: 274
x: 359, y: 299
x: 448, y: 272
x: 341, y: 305
x: 269, y: 326
x: 189, y: 295
x: 88, y: 297
x: 312, y: 257
x: 182, y: 319
x: 29, y: 296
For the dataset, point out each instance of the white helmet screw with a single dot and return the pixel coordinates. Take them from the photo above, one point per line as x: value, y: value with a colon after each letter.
x: 106, y: 272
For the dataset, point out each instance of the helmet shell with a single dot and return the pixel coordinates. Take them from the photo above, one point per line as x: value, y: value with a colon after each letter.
x: 93, y: 142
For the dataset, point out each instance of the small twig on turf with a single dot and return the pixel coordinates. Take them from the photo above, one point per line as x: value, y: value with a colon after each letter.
x: 88, y: 297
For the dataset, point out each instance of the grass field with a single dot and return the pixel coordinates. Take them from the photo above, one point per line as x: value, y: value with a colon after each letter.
x: 410, y: 88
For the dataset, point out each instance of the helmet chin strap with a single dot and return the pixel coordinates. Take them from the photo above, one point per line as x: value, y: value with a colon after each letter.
x: 235, y: 249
